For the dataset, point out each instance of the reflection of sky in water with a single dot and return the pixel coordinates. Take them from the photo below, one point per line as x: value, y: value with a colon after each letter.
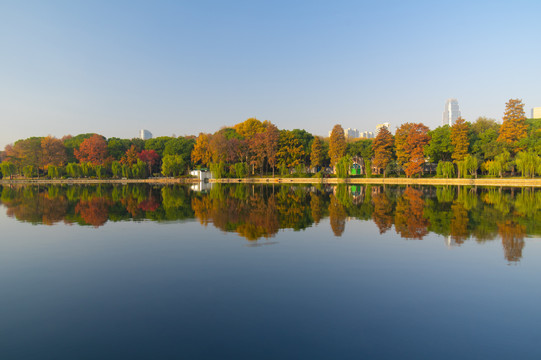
x: 181, y: 290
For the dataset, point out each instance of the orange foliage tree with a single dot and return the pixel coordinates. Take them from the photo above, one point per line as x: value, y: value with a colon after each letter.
x: 410, y: 141
x: 53, y: 152
x: 460, y: 140
x: 337, y: 144
x: 130, y: 157
x: 271, y: 139
x: 92, y: 150
x: 201, y: 151
x: 514, y: 125
x: 316, y: 154
x: 383, y: 149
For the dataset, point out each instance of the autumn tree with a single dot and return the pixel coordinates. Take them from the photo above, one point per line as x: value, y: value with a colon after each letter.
x: 150, y: 157
x: 290, y: 150
x: 514, y: 125
x: 218, y: 147
x: 316, y: 154
x: 383, y: 149
x: 249, y: 128
x: 27, y: 154
x: 130, y: 157
x: 257, y: 151
x: 92, y: 150
x: 460, y: 141
x: 337, y: 144
x: 201, y: 151
x: 410, y: 140
x: 53, y: 152
x: 271, y: 140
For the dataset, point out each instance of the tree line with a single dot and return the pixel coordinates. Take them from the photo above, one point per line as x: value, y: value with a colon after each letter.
x: 253, y: 147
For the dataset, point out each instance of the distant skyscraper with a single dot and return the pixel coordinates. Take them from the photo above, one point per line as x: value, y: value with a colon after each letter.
x: 145, y: 134
x: 351, y: 133
x: 384, y: 125
x: 451, y: 112
x: 536, y: 113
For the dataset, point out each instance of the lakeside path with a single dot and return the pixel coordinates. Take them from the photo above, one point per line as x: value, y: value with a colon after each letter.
x: 513, y: 182
x: 509, y: 182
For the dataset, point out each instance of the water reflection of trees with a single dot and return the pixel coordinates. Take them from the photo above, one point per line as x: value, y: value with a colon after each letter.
x: 260, y: 211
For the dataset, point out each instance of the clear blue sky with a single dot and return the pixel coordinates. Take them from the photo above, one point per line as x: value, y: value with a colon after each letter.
x: 182, y: 67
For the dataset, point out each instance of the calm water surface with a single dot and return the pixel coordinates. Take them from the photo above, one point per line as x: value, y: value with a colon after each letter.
x: 262, y: 272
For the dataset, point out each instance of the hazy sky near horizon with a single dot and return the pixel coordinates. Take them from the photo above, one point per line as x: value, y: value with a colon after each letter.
x: 184, y: 67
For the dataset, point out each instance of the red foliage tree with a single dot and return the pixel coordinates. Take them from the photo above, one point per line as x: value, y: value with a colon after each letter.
x: 92, y: 150
x: 150, y: 157
x: 410, y: 141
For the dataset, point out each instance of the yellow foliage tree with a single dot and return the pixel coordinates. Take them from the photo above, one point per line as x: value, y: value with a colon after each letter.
x: 514, y: 125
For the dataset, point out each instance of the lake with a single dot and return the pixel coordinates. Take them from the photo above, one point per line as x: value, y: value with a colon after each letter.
x: 269, y: 272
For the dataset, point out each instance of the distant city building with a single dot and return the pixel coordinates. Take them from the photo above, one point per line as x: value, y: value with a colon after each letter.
x: 367, y: 135
x: 145, y: 134
x: 536, y: 113
x: 351, y: 133
x: 451, y: 112
x: 384, y: 125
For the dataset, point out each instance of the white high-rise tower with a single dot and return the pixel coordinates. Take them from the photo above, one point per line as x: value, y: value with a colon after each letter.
x: 145, y: 134
x: 451, y: 112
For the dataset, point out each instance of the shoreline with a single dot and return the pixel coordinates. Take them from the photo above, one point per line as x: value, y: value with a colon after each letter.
x: 514, y: 182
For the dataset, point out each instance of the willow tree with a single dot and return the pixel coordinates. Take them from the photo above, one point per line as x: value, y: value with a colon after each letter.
x: 337, y: 144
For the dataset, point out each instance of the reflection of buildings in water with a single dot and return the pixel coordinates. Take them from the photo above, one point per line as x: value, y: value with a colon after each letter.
x: 450, y: 242
x: 357, y: 193
x: 201, y: 187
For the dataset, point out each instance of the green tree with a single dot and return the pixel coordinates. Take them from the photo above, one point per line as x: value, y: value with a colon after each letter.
x: 445, y: 169
x: 117, y: 147
x: 73, y: 170
x: 484, y: 133
x: 8, y: 169
x: 439, y: 148
x: 528, y: 163
x: 116, y: 169
x: 173, y: 165
x: 343, y: 166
